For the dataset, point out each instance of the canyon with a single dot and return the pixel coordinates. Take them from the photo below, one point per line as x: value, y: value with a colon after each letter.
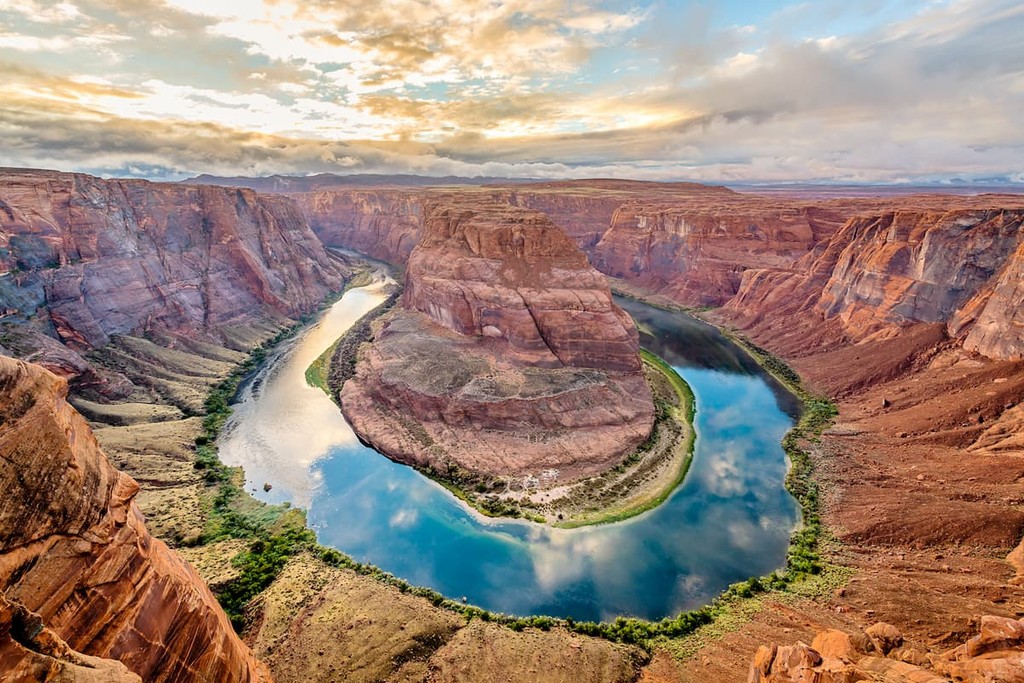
x: 904, y: 309
x: 506, y: 357
x: 89, y: 260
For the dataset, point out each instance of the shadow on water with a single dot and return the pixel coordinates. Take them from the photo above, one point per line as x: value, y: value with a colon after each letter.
x: 705, y: 347
x: 730, y: 519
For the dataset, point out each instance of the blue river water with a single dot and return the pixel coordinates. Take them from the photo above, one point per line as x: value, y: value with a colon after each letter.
x: 729, y: 520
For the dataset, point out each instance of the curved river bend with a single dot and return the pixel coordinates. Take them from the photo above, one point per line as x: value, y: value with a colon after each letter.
x: 730, y: 519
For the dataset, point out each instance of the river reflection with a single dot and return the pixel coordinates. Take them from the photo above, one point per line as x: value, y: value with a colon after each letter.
x: 729, y: 520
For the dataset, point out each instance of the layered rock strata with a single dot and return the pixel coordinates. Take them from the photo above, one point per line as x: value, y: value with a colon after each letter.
x: 383, y: 223
x: 104, y: 257
x: 75, y: 553
x: 506, y: 357
x: 882, y: 273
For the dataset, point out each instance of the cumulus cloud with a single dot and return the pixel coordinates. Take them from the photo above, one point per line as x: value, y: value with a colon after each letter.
x: 541, y: 88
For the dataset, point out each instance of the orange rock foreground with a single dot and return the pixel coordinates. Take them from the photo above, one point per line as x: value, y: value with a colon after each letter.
x: 995, y: 655
x: 79, y: 572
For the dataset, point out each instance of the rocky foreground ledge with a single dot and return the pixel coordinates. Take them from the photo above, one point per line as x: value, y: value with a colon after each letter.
x: 506, y: 357
x: 880, y: 653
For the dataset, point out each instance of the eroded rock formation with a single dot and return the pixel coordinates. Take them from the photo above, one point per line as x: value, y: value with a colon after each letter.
x: 31, y: 652
x: 75, y: 552
x: 507, y: 356
x: 381, y: 223
x: 879, y: 274
x: 491, y: 270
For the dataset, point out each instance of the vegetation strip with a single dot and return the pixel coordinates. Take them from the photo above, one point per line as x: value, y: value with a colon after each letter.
x: 684, y: 414
x: 337, y: 363
x: 279, y: 533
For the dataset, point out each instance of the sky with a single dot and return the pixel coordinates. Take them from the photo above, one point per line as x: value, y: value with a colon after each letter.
x: 830, y: 91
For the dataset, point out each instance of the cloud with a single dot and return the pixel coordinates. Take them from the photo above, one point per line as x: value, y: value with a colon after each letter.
x: 545, y: 88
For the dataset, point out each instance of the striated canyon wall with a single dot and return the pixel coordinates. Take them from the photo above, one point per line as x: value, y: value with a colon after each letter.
x: 689, y: 241
x: 96, y: 258
x: 75, y: 553
x: 879, y: 274
x: 492, y: 270
x: 381, y: 223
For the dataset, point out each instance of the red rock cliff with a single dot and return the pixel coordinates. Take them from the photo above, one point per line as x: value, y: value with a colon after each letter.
x: 491, y: 270
x: 689, y: 241
x: 381, y: 223
x: 120, y: 256
x: 75, y: 551
x: 881, y: 273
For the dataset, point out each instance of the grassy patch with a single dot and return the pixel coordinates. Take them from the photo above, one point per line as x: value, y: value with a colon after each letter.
x: 318, y: 372
x: 321, y: 372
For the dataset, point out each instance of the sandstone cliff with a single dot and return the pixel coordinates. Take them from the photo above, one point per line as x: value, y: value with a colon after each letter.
x: 31, y: 652
x: 103, y: 257
x: 495, y: 271
x: 691, y: 242
x: 381, y: 223
x: 882, y: 273
x: 507, y: 353
x: 75, y: 552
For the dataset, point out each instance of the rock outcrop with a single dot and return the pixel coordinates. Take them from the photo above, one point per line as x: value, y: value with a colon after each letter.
x: 995, y: 655
x: 105, y: 257
x: 31, y: 652
x: 79, y: 572
x: 688, y: 241
x: 491, y: 270
x: 507, y: 356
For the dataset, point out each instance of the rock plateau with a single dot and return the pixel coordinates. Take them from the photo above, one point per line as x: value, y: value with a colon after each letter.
x: 507, y: 355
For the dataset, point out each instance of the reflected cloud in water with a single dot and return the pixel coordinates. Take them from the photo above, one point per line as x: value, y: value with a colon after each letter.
x: 280, y: 426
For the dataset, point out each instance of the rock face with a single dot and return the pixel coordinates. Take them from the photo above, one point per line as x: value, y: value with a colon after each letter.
x: 495, y: 271
x: 995, y: 655
x: 31, y: 652
x: 705, y: 245
x: 507, y: 356
x: 882, y: 273
x: 691, y: 242
x: 75, y: 552
x: 381, y: 223
x: 106, y: 257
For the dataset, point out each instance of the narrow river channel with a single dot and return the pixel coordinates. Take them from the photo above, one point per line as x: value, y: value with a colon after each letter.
x: 731, y: 518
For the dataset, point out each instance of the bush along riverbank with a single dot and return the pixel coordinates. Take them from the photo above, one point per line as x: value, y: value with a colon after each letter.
x: 277, y: 533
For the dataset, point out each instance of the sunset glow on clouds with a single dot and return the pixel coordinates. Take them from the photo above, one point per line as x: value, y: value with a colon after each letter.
x: 732, y: 91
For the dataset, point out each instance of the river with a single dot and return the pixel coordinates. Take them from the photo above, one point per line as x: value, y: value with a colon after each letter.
x: 729, y: 520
